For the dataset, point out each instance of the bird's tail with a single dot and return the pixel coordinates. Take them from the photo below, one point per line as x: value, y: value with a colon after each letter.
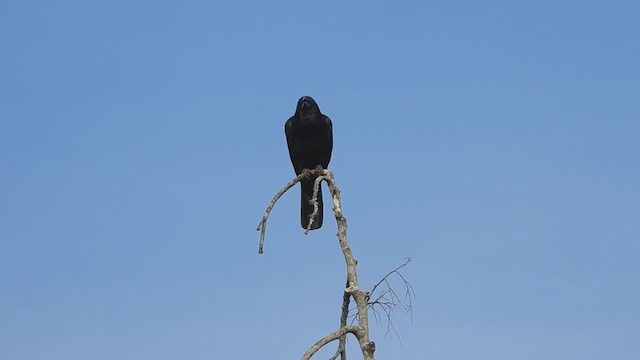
x: 306, y: 208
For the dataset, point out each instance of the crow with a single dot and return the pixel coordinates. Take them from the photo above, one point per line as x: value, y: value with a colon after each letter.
x: 310, y: 141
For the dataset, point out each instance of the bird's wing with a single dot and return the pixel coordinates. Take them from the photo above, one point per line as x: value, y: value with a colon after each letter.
x: 293, y: 153
x: 329, y: 139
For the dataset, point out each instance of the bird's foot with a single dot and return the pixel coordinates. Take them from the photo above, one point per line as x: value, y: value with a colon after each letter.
x: 307, y: 173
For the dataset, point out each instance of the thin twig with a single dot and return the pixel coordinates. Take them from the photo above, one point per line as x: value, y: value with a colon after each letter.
x: 406, y: 261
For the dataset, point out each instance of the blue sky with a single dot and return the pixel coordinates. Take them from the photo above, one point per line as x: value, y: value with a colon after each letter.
x: 494, y: 142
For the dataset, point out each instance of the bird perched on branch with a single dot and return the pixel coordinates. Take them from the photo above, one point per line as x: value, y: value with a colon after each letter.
x: 310, y: 141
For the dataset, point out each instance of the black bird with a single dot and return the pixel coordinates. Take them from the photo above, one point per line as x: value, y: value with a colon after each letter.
x: 310, y: 141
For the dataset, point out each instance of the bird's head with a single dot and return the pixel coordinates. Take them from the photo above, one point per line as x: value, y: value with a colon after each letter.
x: 307, y: 108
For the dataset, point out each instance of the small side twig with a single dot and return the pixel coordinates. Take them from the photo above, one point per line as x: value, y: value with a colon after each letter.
x: 394, y: 271
x: 388, y: 299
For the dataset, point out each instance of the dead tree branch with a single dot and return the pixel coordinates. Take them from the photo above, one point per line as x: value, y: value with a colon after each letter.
x: 314, y: 202
x: 339, y: 334
x: 262, y: 226
x: 367, y: 346
x: 387, y: 299
x: 344, y: 315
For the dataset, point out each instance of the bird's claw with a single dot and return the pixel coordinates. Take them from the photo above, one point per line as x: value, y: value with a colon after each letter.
x: 307, y: 173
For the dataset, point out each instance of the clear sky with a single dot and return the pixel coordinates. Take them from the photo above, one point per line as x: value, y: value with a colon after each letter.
x: 495, y: 142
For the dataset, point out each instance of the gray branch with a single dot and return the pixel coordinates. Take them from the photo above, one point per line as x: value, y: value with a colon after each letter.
x: 367, y: 346
x: 352, y: 290
x: 339, y: 334
x: 262, y: 226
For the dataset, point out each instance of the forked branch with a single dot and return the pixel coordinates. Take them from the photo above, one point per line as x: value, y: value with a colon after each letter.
x: 387, y: 298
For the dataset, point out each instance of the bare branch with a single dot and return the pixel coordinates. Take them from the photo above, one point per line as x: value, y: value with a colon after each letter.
x: 314, y: 201
x: 344, y: 314
x: 355, y: 330
x: 262, y: 226
x: 352, y: 290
